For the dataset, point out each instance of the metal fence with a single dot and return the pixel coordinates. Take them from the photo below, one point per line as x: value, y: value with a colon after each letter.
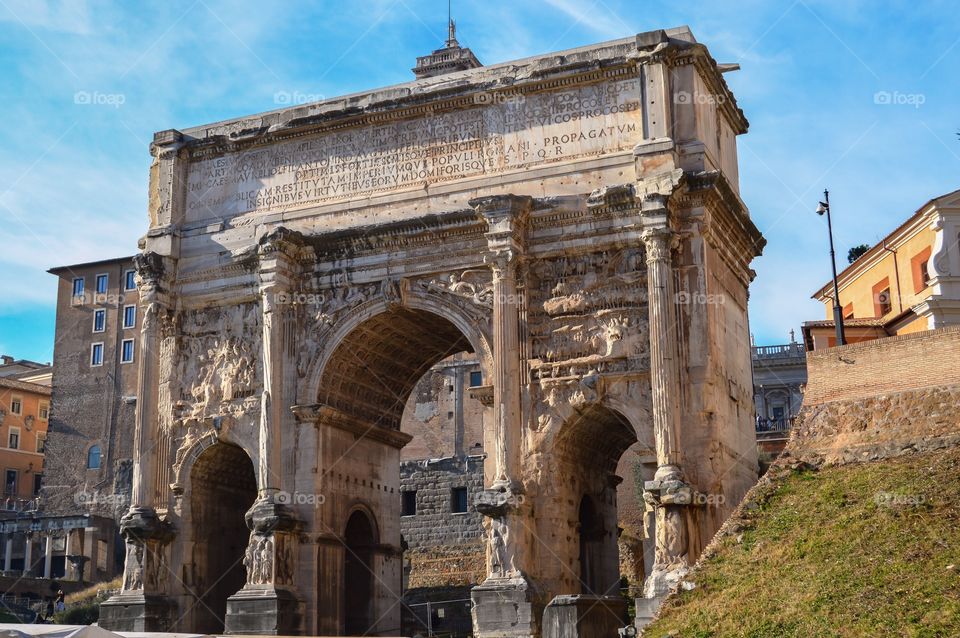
x: 440, y: 618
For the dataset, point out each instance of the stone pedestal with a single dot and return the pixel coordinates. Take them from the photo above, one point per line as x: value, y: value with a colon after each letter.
x: 506, y: 608
x: 583, y: 616
x: 136, y: 611
x: 265, y: 606
x: 141, y: 605
x: 266, y: 611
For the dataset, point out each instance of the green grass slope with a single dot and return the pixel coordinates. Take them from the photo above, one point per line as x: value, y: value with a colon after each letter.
x: 856, y: 550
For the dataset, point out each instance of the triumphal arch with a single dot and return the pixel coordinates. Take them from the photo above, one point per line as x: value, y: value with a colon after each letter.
x: 572, y: 219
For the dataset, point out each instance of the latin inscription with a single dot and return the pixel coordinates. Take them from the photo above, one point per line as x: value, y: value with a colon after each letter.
x: 518, y: 132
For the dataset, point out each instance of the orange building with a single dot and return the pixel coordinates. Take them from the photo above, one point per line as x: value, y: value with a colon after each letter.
x: 908, y: 282
x: 24, y: 414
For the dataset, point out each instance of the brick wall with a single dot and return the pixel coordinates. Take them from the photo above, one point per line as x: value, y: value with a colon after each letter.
x: 881, y: 399
x: 894, y: 364
x: 435, y: 524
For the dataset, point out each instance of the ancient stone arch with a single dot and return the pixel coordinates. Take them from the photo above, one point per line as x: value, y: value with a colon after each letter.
x: 573, y: 219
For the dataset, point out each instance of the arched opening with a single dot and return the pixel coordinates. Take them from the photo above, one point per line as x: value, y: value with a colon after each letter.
x: 223, y: 487
x: 589, y: 449
x: 359, y: 540
x: 373, y: 370
x: 363, y: 389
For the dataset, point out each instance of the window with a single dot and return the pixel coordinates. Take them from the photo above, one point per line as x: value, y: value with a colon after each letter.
x: 78, y: 286
x: 99, y: 320
x: 449, y: 415
x: 102, y: 550
x: 10, y: 484
x: 44, y: 411
x: 93, y: 457
x: 41, y: 442
x: 16, y: 405
x: 37, y: 484
x: 458, y: 500
x: 920, y: 266
x: 408, y: 506
x: 126, y: 351
x: 848, y: 311
x: 881, y: 298
x: 129, y: 316
x: 129, y: 280
x: 96, y: 354
x: 102, y: 282
x: 13, y: 439
x: 476, y: 379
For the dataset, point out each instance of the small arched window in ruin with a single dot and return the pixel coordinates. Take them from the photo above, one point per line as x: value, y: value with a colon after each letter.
x: 93, y: 458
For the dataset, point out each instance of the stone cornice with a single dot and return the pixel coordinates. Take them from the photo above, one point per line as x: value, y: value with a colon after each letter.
x: 726, y: 227
x: 324, y: 415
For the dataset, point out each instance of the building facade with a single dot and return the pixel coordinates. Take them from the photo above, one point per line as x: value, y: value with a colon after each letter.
x: 579, y: 230
x: 779, y: 377
x: 907, y: 282
x: 94, y: 393
x: 24, y: 417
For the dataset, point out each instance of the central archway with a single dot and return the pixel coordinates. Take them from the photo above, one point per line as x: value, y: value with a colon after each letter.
x: 376, y: 365
x: 371, y: 366
x: 223, y: 489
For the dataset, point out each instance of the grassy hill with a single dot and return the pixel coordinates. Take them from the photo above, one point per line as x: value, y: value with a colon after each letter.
x: 869, y: 549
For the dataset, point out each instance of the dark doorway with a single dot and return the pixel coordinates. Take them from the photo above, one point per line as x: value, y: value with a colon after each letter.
x: 359, y: 540
x: 224, y: 487
x: 591, y: 548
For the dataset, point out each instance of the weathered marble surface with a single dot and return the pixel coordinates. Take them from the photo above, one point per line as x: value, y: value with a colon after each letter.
x: 572, y: 219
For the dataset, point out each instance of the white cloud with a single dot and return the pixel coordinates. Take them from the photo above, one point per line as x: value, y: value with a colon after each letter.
x: 63, y: 16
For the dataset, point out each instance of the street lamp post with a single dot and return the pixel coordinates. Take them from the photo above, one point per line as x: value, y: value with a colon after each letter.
x: 824, y: 207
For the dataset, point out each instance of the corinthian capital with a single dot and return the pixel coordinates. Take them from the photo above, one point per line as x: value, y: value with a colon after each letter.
x: 659, y: 242
x: 506, y: 218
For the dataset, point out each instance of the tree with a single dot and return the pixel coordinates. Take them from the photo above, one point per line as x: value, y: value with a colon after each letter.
x: 856, y: 252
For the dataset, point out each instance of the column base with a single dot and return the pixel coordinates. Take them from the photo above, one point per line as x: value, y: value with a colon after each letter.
x: 263, y: 611
x: 662, y: 581
x: 505, y: 608
x: 583, y: 616
x: 136, y: 611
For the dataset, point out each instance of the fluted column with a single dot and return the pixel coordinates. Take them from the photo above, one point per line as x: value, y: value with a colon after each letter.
x: 667, y: 493
x: 272, y: 544
x: 145, y: 534
x: 508, y: 592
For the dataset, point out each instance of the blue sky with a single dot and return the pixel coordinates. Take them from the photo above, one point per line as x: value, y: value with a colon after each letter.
x: 83, y: 86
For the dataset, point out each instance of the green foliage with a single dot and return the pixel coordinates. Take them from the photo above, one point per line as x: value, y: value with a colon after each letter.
x: 80, y: 614
x: 859, y: 550
x: 857, y: 252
